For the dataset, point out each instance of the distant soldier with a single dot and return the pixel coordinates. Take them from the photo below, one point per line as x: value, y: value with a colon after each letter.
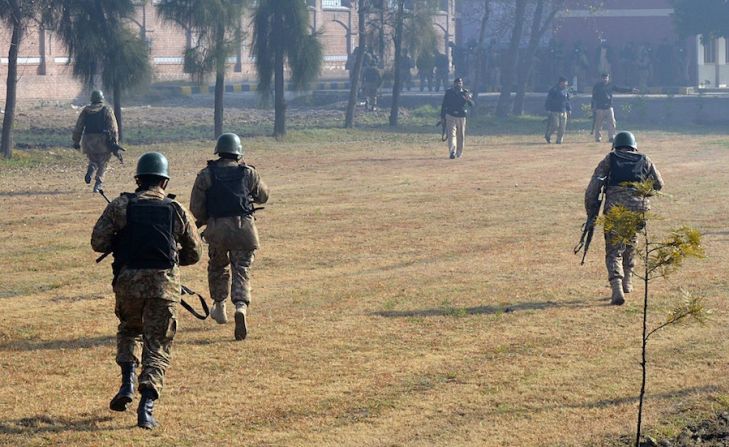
x: 558, y: 108
x: 602, y: 106
x: 425, y: 64
x: 405, y: 65
x: 441, y: 71
x: 150, y: 234
x: 623, y: 164
x: 371, y: 80
x: 222, y: 198
x: 97, y: 124
x: 453, y: 114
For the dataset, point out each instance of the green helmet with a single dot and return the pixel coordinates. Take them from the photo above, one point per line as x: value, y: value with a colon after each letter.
x: 625, y: 139
x: 97, y: 96
x: 153, y: 163
x: 229, y: 143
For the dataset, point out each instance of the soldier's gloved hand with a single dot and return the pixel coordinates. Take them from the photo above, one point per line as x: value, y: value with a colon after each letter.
x: 77, y: 146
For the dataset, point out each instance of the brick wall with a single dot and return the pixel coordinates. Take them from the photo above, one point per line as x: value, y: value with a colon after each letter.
x: 45, y: 75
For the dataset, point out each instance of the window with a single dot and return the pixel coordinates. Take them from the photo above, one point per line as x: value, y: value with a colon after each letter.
x: 331, y: 3
x: 709, y: 50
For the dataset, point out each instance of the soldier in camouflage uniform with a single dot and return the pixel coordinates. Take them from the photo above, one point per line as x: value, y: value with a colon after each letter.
x: 623, y: 164
x: 150, y: 234
x: 222, y: 198
x: 97, y: 124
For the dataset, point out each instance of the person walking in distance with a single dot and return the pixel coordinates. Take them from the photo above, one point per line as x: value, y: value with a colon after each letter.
x: 602, y: 106
x: 453, y: 113
x: 558, y: 109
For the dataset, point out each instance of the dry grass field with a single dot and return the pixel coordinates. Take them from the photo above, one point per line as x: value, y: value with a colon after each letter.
x: 400, y: 299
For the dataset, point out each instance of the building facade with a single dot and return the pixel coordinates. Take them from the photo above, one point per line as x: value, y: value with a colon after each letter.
x: 44, y: 72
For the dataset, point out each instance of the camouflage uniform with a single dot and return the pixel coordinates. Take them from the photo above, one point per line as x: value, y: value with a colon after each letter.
x: 95, y: 142
x: 146, y: 299
x: 232, y: 240
x: 619, y: 258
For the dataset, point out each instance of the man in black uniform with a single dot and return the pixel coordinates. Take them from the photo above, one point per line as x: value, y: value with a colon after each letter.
x: 222, y: 198
x: 453, y: 114
x: 558, y: 109
x: 602, y: 106
x: 623, y: 164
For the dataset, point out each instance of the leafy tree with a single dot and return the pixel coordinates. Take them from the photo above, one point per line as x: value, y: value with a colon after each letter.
x: 705, y: 17
x: 215, y: 25
x: 281, y: 35
x: 660, y: 258
x: 543, y: 15
x: 509, y: 64
x: 16, y: 15
x: 99, y: 43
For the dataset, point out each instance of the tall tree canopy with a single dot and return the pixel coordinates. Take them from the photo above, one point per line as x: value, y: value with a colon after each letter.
x: 705, y: 17
x: 215, y: 26
x: 101, y: 44
x: 281, y: 36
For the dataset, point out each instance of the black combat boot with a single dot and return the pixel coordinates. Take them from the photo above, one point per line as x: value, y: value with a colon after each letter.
x: 124, y: 397
x: 89, y: 174
x: 145, y: 419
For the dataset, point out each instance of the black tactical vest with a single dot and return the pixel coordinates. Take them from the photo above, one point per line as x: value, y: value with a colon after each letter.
x: 148, y: 240
x: 94, y: 122
x: 228, y: 195
x: 627, y: 167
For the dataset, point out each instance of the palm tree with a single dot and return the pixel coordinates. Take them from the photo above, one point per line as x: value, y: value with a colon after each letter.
x: 15, y: 14
x: 100, y: 44
x: 281, y: 35
x: 216, y: 28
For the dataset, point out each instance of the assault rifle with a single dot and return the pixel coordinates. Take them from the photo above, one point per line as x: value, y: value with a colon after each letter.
x: 184, y: 290
x: 594, y: 123
x: 115, y: 148
x: 442, y: 124
x: 588, y: 228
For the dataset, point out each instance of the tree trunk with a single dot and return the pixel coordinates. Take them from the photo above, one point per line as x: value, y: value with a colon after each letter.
x: 395, y: 107
x: 116, y: 91
x: 507, y: 71
x: 354, y: 88
x: 6, y: 140
x: 219, y: 91
x: 480, y: 49
x: 527, y: 62
x: 279, y: 102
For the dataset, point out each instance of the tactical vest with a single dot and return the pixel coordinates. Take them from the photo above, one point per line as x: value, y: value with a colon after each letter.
x: 148, y: 240
x: 627, y: 167
x: 228, y: 195
x: 94, y: 122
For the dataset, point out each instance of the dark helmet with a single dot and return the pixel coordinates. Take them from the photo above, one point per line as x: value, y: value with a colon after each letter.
x: 625, y: 139
x: 229, y: 143
x: 97, y: 96
x: 153, y: 163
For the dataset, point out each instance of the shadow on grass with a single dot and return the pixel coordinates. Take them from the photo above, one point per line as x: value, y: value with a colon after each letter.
x: 35, y: 193
x: 52, y: 424
x: 78, y: 343
x: 487, y: 310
